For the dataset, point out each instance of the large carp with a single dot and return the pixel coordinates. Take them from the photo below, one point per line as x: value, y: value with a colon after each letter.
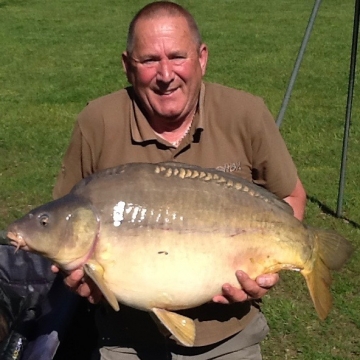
x: 165, y: 237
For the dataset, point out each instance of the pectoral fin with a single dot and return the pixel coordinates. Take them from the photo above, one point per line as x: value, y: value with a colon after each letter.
x: 95, y: 272
x: 181, y: 327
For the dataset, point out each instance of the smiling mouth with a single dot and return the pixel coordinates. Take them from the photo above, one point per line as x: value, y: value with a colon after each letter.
x: 165, y: 93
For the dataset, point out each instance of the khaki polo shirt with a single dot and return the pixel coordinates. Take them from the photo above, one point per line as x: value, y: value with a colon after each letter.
x: 232, y: 131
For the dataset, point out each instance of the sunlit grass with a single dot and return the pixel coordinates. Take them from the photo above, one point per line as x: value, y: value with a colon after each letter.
x: 56, y: 56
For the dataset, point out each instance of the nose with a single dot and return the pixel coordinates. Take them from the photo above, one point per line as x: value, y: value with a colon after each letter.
x: 165, y: 71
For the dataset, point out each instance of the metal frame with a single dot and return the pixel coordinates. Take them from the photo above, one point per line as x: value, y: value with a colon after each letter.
x: 350, y: 90
x: 348, y: 108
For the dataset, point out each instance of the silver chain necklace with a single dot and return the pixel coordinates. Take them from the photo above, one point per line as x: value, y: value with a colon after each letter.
x: 177, y: 142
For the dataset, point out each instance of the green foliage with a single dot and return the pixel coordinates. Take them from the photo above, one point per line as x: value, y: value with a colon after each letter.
x: 57, y: 55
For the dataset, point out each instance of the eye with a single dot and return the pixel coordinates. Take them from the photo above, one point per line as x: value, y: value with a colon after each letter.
x: 44, y: 220
x: 149, y: 62
x: 178, y: 59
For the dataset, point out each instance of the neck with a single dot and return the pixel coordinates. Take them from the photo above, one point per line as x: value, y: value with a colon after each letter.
x: 173, y: 132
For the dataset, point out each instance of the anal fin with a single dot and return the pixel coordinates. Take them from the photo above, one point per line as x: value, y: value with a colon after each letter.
x: 94, y: 271
x: 181, y: 327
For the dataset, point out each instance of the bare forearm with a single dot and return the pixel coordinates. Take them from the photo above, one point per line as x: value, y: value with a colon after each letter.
x: 297, y: 200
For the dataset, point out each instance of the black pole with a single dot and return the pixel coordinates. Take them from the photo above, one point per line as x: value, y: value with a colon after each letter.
x: 348, y: 108
x: 298, y: 62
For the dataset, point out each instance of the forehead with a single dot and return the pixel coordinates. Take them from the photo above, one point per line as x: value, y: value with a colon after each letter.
x: 162, y: 33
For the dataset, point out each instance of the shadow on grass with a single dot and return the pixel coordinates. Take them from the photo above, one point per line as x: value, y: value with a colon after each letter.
x: 13, y: 2
x: 331, y: 212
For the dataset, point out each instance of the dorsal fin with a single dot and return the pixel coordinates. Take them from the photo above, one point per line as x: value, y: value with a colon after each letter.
x: 222, y: 178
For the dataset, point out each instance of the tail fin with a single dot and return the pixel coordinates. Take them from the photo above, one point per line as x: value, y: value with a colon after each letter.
x: 331, y: 252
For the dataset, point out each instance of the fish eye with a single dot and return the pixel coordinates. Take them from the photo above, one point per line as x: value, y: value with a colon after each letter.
x: 44, y: 220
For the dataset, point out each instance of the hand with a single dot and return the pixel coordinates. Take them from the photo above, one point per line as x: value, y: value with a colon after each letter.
x: 85, y: 287
x: 250, y: 289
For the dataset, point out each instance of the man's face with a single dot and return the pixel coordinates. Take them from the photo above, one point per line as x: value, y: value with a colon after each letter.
x: 166, y: 67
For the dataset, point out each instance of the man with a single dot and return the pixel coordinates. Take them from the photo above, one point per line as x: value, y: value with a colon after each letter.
x: 169, y: 114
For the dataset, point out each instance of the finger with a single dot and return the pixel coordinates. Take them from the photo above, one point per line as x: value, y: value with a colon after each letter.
x: 91, y: 300
x: 95, y: 297
x: 249, y: 286
x: 230, y: 295
x: 54, y: 269
x: 233, y: 294
x: 267, y: 281
x: 89, y: 290
x: 250, y: 289
x: 74, y: 278
x: 84, y: 290
x: 220, y: 299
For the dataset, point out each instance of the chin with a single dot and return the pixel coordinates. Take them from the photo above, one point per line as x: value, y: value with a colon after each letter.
x: 167, y: 113
x: 169, y: 116
x: 167, y: 109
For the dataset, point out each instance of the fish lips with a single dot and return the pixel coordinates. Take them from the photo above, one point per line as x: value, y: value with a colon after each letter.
x: 17, y: 239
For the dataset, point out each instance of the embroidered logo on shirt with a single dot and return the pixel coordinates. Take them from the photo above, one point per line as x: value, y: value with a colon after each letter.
x: 230, y: 167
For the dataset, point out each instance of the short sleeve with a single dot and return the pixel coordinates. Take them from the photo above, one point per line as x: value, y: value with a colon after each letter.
x: 273, y: 166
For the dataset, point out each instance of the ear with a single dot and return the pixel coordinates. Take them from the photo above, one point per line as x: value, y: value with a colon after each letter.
x: 125, y: 58
x: 203, y: 57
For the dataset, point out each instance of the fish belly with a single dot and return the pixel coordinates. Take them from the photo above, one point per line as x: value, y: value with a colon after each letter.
x: 175, y: 271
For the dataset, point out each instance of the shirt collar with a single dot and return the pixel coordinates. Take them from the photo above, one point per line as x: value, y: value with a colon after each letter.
x: 141, y: 131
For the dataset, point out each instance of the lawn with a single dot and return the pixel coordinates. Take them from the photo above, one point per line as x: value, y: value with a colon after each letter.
x: 57, y: 55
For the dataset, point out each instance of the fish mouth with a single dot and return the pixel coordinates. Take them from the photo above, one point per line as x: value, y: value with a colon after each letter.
x: 17, y: 240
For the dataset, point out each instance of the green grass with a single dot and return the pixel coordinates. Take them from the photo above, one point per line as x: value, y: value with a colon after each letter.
x: 55, y: 56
